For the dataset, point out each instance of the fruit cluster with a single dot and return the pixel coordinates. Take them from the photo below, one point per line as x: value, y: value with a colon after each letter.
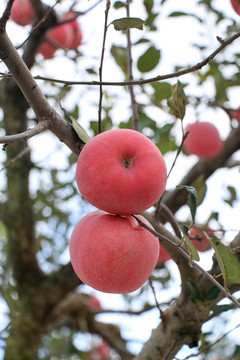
x: 66, y: 36
x: 121, y: 172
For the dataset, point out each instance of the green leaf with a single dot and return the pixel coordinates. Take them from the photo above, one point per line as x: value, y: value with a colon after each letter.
x: 191, y: 249
x: 195, y: 293
x: 148, y: 5
x: 213, y: 293
x: 119, y: 5
x: 162, y: 91
x: 181, y: 13
x: 119, y: 54
x: 192, y: 199
x: 177, y: 102
x: 217, y: 309
x: 232, y: 195
x: 149, y: 60
x: 201, y: 187
x: 83, y: 135
x: 128, y: 23
x: 229, y: 265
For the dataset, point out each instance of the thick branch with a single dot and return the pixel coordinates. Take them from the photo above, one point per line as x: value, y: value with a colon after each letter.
x: 35, y: 97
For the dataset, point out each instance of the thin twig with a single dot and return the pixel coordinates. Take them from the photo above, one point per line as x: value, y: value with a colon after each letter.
x: 207, y: 347
x: 13, y: 160
x: 179, y: 73
x: 25, y: 135
x: 108, y: 4
x: 170, y: 218
x: 187, y: 257
x: 135, y: 115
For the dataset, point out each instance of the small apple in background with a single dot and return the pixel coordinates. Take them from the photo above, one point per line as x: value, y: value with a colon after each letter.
x: 121, y: 171
x: 163, y: 255
x: 235, y: 114
x: 113, y: 253
x: 199, y: 240
x: 99, y: 352
x: 236, y: 6
x: 77, y: 32
x: 203, y: 140
x: 59, y: 37
x: 22, y: 12
x: 93, y: 302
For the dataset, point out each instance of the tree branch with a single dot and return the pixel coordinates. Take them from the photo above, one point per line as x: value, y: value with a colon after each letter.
x: 176, y: 74
x: 35, y: 97
x: 25, y: 135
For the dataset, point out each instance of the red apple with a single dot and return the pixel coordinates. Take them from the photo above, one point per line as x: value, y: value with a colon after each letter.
x: 59, y: 37
x: 77, y: 32
x: 199, y: 240
x: 203, y: 140
x: 121, y: 171
x: 163, y: 256
x: 94, y: 303
x: 113, y: 253
x: 236, y: 6
x: 235, y: 114
x: 22, y: 12
x: 99, y: 352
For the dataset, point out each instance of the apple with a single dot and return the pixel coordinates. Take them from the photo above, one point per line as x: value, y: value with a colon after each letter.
x: 22, y: 12
x: 93, y: 302
x: 113, y: 253
x: 121, y: 171
x: 77, y: 32
x: 203, y: 140
x: 163, y: 255
x: 99, y: 352
x: 199, y: 240
x: 235, y: 114
x: 59, y: 37
x: 236, y: 6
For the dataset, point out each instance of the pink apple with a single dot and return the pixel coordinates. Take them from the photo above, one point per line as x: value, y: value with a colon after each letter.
x: 121, y: 171
x: 236, y: 6
x: 93, y: 302
x: 59, y: 37
x: 22, y: 12
x: 163, y: 256
x: 199, y: 240
x: 235, y: 114
x: 203, y: 140
x: 113, y: 253
x: 99, y: 352
x: 77, y: 32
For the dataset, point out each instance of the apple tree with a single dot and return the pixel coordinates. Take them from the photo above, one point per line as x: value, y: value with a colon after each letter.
x: 69, y: 71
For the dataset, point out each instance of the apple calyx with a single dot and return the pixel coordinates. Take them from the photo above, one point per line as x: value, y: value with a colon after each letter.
x: 127, y: 162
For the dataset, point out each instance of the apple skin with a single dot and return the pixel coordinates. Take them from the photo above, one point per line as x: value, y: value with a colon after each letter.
x: 61, y: 37
x: 113, y: 253
x: 236, y: 6
x: 93, y: 302
x: 22, y: 12
x: 77, y: 32
x: 203, y: 140
x: 202, y: 244
x: 236, y: 113
x: 163, y: 255
x: 121, y: 171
